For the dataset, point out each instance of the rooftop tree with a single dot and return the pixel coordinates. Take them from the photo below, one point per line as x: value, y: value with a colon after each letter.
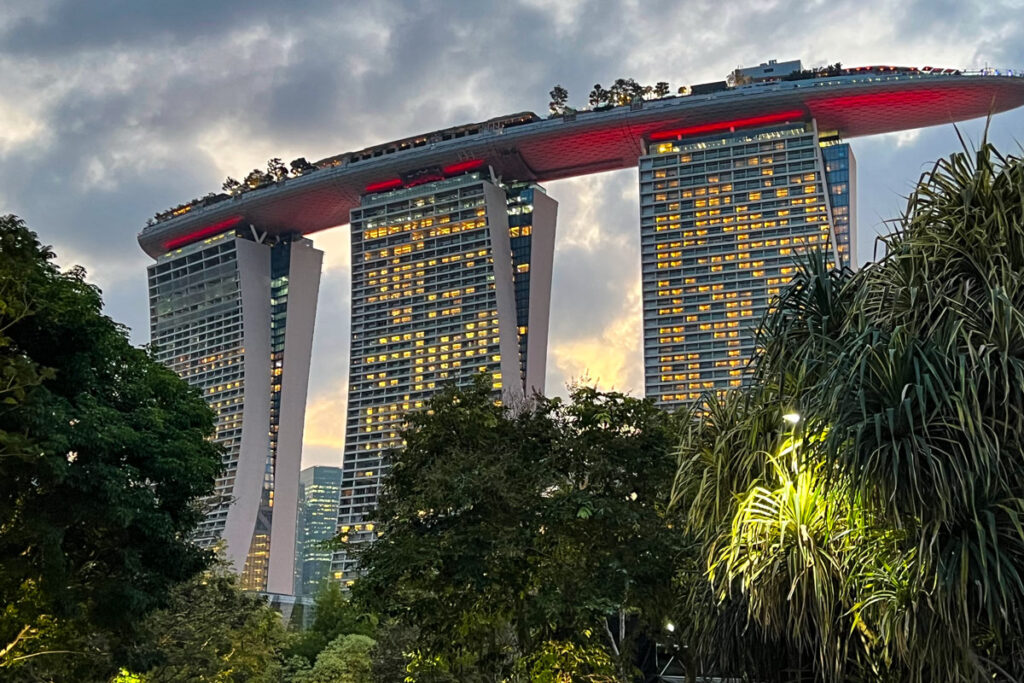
x: 276, y: 169
x: 598, y: 96
x: 559, y: 98
x: 231, y: 185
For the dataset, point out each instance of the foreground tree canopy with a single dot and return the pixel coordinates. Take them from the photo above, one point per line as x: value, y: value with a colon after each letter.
x: 210, y: 630
x: 855, y: 513
x: 516, y: 538
x: 103, y: 457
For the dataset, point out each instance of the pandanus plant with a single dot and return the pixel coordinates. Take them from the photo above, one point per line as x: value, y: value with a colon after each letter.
x: 881, y: 537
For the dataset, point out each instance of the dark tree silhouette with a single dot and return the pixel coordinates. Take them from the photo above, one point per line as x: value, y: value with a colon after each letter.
x: 559, y: 97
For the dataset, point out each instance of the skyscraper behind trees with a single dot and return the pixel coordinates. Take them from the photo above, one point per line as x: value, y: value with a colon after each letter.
x: 450, y: 278
x: 722, y: 217
x: 317, y: 522
x: 233, y: 315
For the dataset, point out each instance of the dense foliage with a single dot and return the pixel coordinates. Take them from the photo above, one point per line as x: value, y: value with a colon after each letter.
x: 333, y: 617
x: 103, y: 457
x: 882, y: 537
x: 211, y: 631
x: 513, y: 536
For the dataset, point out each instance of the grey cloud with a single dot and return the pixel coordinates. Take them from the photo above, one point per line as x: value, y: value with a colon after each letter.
x: 592, y: 280
x: 71, y: 26
x: 331, y: 342
x: 139, y: 91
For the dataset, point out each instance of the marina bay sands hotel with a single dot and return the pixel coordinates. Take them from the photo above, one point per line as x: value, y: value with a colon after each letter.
x: 452, y: 249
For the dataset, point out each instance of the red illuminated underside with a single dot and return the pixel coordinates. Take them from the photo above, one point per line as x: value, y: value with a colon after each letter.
x: 208, y: 231
x: 447, y: 171
x: 781, y: 117
x: 383, y: 185
x: 595, y: 143
x: 463, y: 167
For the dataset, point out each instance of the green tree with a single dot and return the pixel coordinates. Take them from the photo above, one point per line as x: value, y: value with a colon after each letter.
x: 455, y: 512
x: 334, y: 616
x: 390, y: 656
x: 230, y: 185
x: 257, y: 178
x: 661, y: 89
x: 345, y: 660
x: 300, y: 166
x: 568, y: 663
x: 880, y: 537
x: 598, y: 96
x: 559, y: 98
x: 210, y: 631
x: 104, y: 461
x: 507, y: 532
x: 276, y: 169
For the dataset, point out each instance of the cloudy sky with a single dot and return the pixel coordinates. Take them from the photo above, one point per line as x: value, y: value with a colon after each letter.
x: 111, y: 110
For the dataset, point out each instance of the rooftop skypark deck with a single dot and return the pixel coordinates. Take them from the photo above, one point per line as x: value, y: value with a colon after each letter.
x: 526, y: 147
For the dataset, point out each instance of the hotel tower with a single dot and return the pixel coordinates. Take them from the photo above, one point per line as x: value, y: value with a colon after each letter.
x: 450, y: 278
x: 722, y: 219
x: 233, y: 315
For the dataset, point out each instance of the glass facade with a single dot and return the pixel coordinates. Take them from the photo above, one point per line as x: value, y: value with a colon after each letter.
x: 520, y: 232
x: 722, y: 217
x: 319, y: 490
x: 440, y: 293
x: 195, y: 299
x: 841, y: 179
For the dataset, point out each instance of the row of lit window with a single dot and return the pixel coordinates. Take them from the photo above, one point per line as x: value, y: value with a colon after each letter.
x: 399, y: 251
x: 420, y: 267
x: 794, y: 178
x: 223, y: 387
x: 424, y: 352
x: 371, y: 232
x: 473, y: 325
x: 660, y: 173
x: 726, y: 222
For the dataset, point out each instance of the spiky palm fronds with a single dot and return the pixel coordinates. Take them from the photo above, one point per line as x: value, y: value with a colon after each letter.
x: 893, y: 547
x: 785, y: 553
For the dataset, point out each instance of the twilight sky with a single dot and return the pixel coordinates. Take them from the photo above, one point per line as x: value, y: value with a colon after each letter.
x: 111, y: 110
